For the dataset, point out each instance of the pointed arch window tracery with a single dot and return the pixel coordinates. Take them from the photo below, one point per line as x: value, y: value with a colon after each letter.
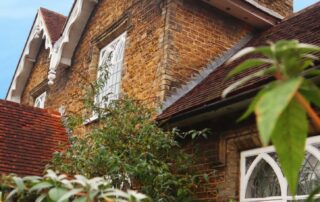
x: 263, y: 180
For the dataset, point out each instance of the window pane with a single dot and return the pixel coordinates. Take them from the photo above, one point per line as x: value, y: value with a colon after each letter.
x: 263, y: 182
x: 309, y: 177
x: 249, y: 161
x: 111, y: 60
x: 40, y: 100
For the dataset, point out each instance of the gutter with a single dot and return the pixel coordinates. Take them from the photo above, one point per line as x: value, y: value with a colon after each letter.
x: 221, y: 107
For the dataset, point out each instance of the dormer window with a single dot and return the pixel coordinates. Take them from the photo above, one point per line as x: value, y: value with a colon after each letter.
x: 109, y: 71
x: 40, y: 100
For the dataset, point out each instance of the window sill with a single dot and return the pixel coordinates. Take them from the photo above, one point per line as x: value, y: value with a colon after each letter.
x: 94, y: 118
x: 91, y: 120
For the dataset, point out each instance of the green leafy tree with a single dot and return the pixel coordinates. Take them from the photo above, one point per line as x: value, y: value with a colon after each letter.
x: 127, y: 146
x: 282, y: 106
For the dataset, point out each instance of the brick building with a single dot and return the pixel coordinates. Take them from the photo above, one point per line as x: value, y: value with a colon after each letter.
x: 171, y: 55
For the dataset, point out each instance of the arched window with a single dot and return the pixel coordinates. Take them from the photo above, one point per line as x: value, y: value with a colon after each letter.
x: 263, y: 180
x: 109, y: 71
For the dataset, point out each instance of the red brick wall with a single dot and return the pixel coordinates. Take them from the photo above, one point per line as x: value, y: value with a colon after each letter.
x: 38, y: 74
x: 143, y: 53
x: 224, y: 176
x: 168, y: 42
x: 196, y: 34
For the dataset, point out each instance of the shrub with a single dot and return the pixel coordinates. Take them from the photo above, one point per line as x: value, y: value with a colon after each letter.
x: 127, y: 146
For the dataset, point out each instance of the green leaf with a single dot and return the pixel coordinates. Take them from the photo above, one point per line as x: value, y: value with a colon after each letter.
x: 311, y: 92
x: 255, y: 100
x: 264, y: 50
x: 206, y: 177
x: 69, y: 194
x: 41, y: 198
x: 56, y: 193
x: 32, y: 178
x: 312, y: 72
x: 19, y: 183
x: 289, y: 138
x: 242, y: 81
x: 40, y: 186
x: 313, y: 194
x: 272, y: 104
x: 250, y: 63
x: 241, y: 53
x: 11, y: 194
x: 310, y: 56
x: 308, y: 47
x: 81, y: 199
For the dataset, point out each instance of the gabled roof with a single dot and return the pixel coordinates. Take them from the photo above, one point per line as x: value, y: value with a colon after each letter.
x: 28, y: 138
x: 47, y: 26
x: 54, y: 23
x: 304, y: 26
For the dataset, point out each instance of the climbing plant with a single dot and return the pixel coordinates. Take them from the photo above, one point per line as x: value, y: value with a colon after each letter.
x: 282, y: 106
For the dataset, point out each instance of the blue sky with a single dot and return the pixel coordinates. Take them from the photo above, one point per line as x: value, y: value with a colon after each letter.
x: 16, y: 18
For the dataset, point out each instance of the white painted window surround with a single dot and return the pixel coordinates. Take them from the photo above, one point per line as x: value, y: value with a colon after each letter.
x: 263, y: 180
x: 111, y: 61
x: 40, y: 100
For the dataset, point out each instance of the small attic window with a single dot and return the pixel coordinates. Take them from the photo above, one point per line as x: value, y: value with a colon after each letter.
x: 40, y: 100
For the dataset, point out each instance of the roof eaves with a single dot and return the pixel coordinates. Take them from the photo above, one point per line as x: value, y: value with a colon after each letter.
x: 265, y: 9
x: 246, y: 12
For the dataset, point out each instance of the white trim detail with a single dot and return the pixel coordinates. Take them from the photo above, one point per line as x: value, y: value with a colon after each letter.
x: 263, y: 154
x: 217, y: 62
x: 265, y: 9
x: 65, y: 46
x: 38, y: 33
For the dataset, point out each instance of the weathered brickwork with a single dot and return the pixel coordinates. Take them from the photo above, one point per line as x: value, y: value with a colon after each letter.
x: 283, y: 7
x: 38, y: 74
x: 196, y: 34
x: 168, y: 42
x: 227, y: 140
x: 143, y: 52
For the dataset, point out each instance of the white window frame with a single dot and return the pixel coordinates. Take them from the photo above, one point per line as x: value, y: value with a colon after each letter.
x: 40, y: 100
x: 263, y: 154
x: 113, y: 83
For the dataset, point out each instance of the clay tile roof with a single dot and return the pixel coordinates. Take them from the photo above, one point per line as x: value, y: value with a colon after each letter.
x: 54, y: 23
x: 28, y: 138
x: 303, y: 26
